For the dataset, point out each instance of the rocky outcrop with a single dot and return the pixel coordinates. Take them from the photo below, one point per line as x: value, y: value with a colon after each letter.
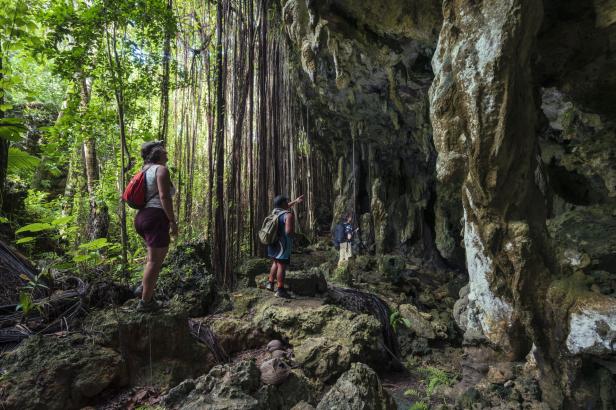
x: 158, y: 346
x: 359, y: 388
x: 326, y: 339
x: 306, y: 283
x: 48, y: 372
x: 485, y: 134
x: 238, y: 386
x: 365, y: 79
x: 484, y: 114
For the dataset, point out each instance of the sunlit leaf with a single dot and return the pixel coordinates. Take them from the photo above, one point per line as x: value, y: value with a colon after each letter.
x: 20, y: 160
x: 63, y: 220
x: 27, y: 239
x: 11, y: 129
x: 35, y: 227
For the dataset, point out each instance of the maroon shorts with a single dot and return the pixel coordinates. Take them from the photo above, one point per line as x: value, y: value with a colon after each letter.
x: 153, y: 226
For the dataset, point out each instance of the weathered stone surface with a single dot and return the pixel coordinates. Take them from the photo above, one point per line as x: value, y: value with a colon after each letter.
x: 469, y: 100
x: 237, y: 386
x: 325, y: 339
x: 250, y: 268
x: 161, y: 340
x: 186, y: 276
x: 349, y: 63
x: 47, y: 372
x: 586, y: 238
x: 418, y: 324
x: 357, y: 389
x: 306, y: 283
x: 224, y: 387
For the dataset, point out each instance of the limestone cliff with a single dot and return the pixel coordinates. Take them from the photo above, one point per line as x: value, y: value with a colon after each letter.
x: 498, y: 157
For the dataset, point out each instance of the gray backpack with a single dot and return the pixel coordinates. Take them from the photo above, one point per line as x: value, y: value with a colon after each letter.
x: 268, y: 234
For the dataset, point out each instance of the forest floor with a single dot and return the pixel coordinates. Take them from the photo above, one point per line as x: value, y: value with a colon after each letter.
x: 426, y: 381
x: 128, y: 360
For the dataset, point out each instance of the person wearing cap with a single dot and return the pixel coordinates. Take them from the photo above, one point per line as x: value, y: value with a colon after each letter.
x: 280, y: 251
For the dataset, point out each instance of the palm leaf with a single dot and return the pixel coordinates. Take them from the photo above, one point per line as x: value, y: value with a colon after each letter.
x: 21, y: 161
x: 11, y: 129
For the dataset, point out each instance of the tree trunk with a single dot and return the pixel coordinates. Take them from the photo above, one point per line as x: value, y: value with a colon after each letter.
x: 164, y: 92
x: 98, y: 219
x: 219, y: 224
x: 262, y: 180
x: 4, y: 144
x: 116, y: 74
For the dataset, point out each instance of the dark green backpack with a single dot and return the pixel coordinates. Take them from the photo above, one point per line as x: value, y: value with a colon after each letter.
x: 268, y: 234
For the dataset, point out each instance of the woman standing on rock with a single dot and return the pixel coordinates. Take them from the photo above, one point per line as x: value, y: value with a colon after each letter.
x: 156, y: 220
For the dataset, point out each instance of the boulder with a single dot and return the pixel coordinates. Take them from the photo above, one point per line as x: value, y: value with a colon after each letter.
x: 391, y: 266
x: 224, y: 387
x: 357, y: 389
x: 250, y: 268
x: 586, y: 238
x: 326, y: 339
x: 306, y: 283
x: 187, y: 277
x: 48, y: 372
x: 159, y: 344
x: 237, y: 386
x: 417, y: 323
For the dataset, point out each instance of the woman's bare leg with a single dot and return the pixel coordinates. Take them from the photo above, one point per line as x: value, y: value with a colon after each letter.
x: 152, y: 268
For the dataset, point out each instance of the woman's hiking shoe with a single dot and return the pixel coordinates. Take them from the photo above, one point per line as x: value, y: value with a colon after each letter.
x: 150, y: 306
x: 282, y: 293
x: 270, y: 286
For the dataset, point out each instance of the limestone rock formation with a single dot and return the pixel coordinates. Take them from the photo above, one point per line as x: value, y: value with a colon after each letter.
x: 326, y: 339
x: 237, y: 386
x: 48, y: 372
x: 162, y: 341
x: 306, y: 283
x: 357, y: 389
x: 365, y: 79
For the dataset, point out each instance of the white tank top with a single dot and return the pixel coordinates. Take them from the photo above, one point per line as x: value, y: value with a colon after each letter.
x: 152, y: 187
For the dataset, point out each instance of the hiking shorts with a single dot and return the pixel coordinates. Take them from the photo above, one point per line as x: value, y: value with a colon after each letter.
x: 153, y: 226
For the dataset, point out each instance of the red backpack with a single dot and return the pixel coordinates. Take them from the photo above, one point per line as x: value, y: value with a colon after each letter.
x: 136, y: 190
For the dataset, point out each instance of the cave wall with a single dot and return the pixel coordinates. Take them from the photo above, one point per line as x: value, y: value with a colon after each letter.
x: 500, y: 156
x: 365, y: 73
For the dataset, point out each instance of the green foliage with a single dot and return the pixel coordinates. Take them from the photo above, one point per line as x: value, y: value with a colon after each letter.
x: 26, y: 294
x: 395, y: 319
x: 412, y: 393
x: 420, y: 405
x: 11, y: 128
x: 435, y: 377
x: 19, y: 160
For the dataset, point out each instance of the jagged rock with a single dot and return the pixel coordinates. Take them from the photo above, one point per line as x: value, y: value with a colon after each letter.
x: 250, y: 268
x: 302, y: 405
x: 391, y: 266
x: 48, y: 372
x: 586, y: 238
x: 357, y: 389
x: 186, y: 277
x: 236, y: 334
x: 237, y: 386
x: 224, y: 387
x: 326, y: 339
x: 159, y: 342
x: 417, y: 323
x: 306, y: 283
